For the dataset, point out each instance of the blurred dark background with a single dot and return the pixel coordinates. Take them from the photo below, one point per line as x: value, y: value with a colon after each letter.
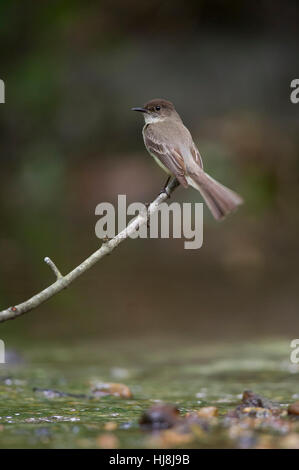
x: 69, y: 141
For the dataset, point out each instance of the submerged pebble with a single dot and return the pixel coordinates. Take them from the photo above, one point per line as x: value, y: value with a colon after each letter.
x: 293, y: 409
x: 115, y: 389
x: 160, y: 417
x: 208, y: 412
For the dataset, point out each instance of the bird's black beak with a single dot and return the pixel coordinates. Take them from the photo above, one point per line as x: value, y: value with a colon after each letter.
x: 141, y: 110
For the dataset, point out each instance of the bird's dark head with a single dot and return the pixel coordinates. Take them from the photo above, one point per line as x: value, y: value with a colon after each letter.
x: 157, y: 110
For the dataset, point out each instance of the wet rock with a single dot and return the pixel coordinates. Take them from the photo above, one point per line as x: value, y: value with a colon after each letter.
x: 194, y: 421
x: 182, y: 430
x: 257, y: 412
x: 254, y: 400
x: 160, y: 417
x: 257, y: 419
x: 293, y: 409
x: 208, y: 412
x: 115, y: 389
x: 254, y: 404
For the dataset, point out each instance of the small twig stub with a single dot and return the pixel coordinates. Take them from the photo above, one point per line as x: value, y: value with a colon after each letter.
x: 53, y: 267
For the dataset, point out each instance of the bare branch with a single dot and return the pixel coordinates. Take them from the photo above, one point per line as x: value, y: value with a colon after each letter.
x: 107, y: 247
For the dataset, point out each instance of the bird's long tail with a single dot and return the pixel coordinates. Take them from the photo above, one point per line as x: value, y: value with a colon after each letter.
x: 220, y: 200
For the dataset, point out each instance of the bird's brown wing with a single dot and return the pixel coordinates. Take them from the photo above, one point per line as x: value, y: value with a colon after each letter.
x: 196, y: 155
x: 168, y: 156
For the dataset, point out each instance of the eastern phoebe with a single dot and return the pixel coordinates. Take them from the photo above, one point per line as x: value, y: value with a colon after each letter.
x: 170, y: 143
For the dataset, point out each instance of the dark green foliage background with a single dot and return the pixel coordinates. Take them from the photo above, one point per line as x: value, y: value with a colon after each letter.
x: 68, y: 141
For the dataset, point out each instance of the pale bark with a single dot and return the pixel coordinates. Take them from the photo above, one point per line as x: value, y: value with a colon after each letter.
x: 107, y: 247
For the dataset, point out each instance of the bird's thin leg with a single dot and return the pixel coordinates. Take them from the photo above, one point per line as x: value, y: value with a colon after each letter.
x: 167, y: 181
x: 164, y: 190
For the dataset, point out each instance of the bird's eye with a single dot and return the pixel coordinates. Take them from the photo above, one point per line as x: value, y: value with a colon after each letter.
x: 158, y: 108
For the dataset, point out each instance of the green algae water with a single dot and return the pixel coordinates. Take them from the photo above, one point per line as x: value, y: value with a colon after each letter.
x: 190, y: 376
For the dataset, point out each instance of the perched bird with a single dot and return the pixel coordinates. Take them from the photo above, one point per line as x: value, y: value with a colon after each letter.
x: 171, y: 144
